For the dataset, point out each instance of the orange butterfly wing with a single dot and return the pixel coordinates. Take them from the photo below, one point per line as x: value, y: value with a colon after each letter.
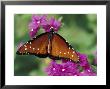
x: 61, y: 49
x: 47, y: 44
x: 37, y: 46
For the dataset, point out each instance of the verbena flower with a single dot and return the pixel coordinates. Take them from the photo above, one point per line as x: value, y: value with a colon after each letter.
x: 36, y: 23
x: 87, y: 73
x: 69, y: 68
x: 42, y: 21
x: 87, y: 69
x: 64, y: 69
x: 52, y: 24
x: 83, y: 59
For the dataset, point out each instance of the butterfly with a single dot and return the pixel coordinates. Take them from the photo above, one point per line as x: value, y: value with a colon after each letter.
x: 49, y: 44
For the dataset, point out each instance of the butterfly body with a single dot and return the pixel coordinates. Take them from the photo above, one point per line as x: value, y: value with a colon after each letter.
x: 49, y: 44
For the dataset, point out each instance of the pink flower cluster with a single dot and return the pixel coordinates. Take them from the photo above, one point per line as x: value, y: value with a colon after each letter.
x: 39, y: 21
x: 69, y: 68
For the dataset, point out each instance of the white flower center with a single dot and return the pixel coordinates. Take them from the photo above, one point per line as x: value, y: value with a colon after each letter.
x: 38, y: 21
x: 31, y: 29
x: 88, y: 70
x: 63, y: 69
x: 53, y: 68
x: 51, y: 27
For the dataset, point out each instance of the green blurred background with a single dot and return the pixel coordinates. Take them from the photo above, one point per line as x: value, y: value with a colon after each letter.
x: 80, y: 30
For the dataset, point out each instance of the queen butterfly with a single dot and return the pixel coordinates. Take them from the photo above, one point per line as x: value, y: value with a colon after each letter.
x: 49, y: 44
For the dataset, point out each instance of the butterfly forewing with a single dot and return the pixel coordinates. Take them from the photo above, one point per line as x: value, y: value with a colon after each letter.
x: 60, y: 48
x: 36, y: 46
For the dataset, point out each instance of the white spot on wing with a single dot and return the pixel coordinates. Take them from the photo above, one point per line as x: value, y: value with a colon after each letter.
x: 33, y: 48
x: 25, y: 48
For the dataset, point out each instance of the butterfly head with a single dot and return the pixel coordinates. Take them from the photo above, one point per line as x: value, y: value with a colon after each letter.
x: 52, y: 30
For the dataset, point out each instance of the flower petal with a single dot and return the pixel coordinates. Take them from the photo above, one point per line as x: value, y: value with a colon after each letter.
x: 64, y: 69
x: 51, y: 24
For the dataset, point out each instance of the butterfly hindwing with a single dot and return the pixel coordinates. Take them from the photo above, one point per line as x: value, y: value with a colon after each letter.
x: 60, y: 48
x: 37, y: 46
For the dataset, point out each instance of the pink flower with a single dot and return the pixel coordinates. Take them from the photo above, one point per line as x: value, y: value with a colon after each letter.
x: 52, y: 24
x: 87, y: 73
x: 69, y: 68
x: 64, y: 69
x: 83, y: 59
x: 42, y: 21
x: 36, y: 23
